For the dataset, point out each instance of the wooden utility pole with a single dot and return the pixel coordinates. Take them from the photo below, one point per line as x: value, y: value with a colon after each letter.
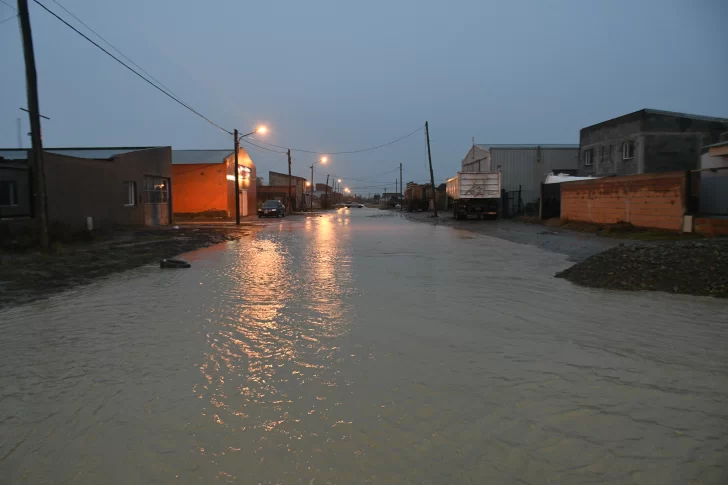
x: 237, y: 178
x: 432, y: 176
x: 401, y: 181
x: 311, y: 187
x: 290, y: 199
x: 326, y: 190
x: 31, y: 79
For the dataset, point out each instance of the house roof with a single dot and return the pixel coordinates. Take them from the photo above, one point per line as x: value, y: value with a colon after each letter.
x: 659, y: 112
x: 716, y: 145
x: 190, y: 157
x: 100, y: 153
x: 527, y: 146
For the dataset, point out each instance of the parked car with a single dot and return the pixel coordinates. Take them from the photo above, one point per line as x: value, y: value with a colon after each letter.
x: 350, y: 205
x: 272, y: 208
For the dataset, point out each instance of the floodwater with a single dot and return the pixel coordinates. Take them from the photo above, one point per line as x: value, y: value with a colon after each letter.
x: 359, y: 347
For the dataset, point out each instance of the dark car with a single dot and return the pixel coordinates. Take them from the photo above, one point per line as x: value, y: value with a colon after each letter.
x: 272, y: 208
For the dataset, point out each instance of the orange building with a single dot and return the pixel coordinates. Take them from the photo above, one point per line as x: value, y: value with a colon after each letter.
x: 204, y: 181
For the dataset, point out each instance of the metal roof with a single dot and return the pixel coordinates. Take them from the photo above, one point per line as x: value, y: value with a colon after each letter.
x: 103, y: 153
x: 528, y: 146
x: 716, y: 145
x: 13, y: 154
x: 181, y: 157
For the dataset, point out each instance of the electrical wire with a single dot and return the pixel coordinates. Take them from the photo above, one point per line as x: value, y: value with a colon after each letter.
x: 171, y: 96
x: 348, y: 151
x: 262, y: 148
x: 6, y: 3
x: 7, y: 19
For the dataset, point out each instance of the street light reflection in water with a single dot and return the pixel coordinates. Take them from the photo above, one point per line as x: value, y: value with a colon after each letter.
x: 268, y: 371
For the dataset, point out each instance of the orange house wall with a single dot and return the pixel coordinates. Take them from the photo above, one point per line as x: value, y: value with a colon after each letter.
x: 199, y: 188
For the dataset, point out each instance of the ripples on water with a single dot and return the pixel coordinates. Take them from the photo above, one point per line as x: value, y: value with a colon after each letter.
x: 355, y: 349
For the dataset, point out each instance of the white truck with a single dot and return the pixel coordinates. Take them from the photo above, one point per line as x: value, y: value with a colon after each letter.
x: 475, y: 193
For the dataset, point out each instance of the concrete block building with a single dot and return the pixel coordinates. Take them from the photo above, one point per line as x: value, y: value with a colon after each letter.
x: 106, y: 187
x: 647, y: 141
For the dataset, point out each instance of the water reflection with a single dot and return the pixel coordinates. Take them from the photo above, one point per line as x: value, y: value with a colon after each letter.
x: 281, y: 303
x: 358, y: 348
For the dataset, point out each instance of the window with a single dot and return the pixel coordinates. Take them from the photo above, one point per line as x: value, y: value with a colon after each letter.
x: 602, y: 153
x: 588, y: 157
x: 627, y: 150
x: 156, y: 190
x: 130, y: 193
x: 8, y: 193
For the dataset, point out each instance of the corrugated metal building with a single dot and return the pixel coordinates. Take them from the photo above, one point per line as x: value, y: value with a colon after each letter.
x: 522, y: 166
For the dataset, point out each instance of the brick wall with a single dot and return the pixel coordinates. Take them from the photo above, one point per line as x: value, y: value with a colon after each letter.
x: 648, y: 200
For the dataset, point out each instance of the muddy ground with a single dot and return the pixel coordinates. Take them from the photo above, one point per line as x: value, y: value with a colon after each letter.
x: 30, y: 275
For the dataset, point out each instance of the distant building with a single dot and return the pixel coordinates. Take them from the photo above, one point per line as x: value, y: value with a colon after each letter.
x: 103, y: 187
x: 205, y: 182
x: 522, y: 167
x: 647, y: 141
x: 298, y: 188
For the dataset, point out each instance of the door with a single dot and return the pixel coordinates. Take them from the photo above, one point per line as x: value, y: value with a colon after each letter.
x: 243, y: 203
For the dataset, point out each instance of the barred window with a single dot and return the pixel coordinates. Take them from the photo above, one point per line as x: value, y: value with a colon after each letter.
x: 156, y: 190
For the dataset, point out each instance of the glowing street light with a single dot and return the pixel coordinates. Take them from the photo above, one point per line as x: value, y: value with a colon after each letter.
x: 323, y: 159
x: 261, y: 129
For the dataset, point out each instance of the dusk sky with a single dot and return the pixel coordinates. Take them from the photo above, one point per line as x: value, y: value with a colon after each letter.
x: 336, y: 75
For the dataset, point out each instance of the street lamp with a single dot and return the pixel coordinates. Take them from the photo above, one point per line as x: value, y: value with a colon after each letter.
x: 262, y: 130
x: 322, y: 160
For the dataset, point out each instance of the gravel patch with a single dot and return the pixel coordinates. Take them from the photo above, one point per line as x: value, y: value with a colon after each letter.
x: 688, y: 267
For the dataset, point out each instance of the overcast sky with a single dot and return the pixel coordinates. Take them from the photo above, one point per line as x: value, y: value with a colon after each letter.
x: 341, y: 75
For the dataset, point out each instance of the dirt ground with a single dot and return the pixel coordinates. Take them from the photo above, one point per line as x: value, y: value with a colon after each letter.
x: 28, y: 276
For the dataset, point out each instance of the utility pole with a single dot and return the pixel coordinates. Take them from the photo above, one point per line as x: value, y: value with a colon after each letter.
x: 31, y: 79
x: 432, y: 176
x: 327, y: 191
x: 401, y: 181
x: 237, y: 180
x: 290, y: 199
x: 311, y: 188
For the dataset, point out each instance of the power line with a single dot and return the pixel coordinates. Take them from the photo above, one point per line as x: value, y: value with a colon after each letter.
x: 111, y: 45
x: 348, y: 151
x: 262, y: 148
x: 134, y: 71
x: 9, y: 18
x: 6, y: 3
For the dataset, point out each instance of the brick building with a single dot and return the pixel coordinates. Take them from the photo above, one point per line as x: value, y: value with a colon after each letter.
x: 647, y: 141
x: 205, y: 182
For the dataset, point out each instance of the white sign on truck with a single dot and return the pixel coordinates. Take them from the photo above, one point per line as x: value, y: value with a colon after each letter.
x: 475, y: 185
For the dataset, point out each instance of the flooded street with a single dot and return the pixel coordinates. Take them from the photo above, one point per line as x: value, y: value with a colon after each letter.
x: 360, y: 347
